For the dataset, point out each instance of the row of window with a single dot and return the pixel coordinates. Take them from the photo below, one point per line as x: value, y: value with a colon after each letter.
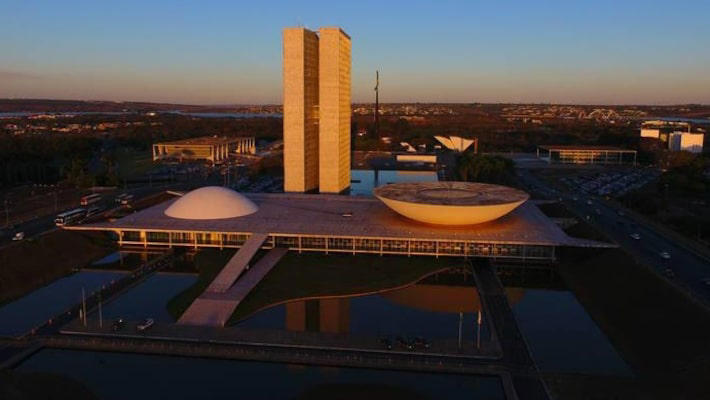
x: 403, y: 246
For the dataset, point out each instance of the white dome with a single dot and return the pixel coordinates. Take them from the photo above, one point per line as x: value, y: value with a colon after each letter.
x: 211, y: 202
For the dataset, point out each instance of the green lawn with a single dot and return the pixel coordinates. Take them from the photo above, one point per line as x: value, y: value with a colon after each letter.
x: 33, y: 263
x: 308, y: 275
x: 133, y: 162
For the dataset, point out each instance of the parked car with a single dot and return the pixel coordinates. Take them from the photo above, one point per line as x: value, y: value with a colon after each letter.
x: 635, y: 236
x: 145, y: 324
x: 665, y: 255
x: 19, y: 236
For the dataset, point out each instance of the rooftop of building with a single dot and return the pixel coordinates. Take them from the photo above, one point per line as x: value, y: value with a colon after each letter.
x: 204, y: 141
x: 211, y: 202
x: 349, y: 216
x: 582, y: 147
x: 451, y: 193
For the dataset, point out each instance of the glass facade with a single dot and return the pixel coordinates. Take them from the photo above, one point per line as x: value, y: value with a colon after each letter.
x: 347, y: 244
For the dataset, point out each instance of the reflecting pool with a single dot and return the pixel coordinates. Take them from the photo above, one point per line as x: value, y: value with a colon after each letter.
x: 149, y: 298
x: 363, y: 181
x: 136, y: 376
x: 29, y: 311
x: 562, y: 336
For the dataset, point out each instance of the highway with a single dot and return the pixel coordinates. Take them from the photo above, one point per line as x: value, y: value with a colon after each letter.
x: 689, y: 270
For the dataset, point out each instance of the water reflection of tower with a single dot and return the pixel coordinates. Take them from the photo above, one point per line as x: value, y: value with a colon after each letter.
x: 324, y: 315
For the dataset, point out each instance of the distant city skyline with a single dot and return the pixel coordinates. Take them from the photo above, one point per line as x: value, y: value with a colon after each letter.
x: 224, y: 52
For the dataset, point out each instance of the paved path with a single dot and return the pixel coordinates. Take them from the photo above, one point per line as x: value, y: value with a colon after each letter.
x: 213, y: 308
x: 237, y: 264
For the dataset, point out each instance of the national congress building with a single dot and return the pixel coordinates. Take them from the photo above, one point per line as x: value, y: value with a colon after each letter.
x: 316, y: 74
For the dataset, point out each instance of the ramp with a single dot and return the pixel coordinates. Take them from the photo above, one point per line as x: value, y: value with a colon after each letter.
x: 237, y: 264
x: 215, y: 308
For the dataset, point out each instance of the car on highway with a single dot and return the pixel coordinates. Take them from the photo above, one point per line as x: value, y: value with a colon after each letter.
x: 635, y: 236
x: 118, y: 324
x: 589, y: 202
x: 405, y: 343
x: 422, y: 342
x: 145, y: 324
x: 665, y: 255
x: 19, y: 236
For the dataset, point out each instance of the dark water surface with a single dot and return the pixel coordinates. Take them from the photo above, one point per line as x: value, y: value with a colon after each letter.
x: 135, y: 376
x: 35, y: 308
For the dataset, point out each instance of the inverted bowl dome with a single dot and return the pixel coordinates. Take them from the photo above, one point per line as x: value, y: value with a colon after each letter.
x: 211, y: 202
x: 450, y: 203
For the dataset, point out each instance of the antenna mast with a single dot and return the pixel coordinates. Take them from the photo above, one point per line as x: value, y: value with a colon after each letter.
x: 377, y: 104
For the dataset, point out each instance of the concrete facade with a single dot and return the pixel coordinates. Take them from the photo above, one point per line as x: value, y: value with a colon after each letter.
x: 300, y: 115
x: 334, y: 108
x: 684, y: 141
x: 572, y: 154
x: 316, y: 74
x: 654, y: 133
x: 208, y: 148
x: 318, y: 223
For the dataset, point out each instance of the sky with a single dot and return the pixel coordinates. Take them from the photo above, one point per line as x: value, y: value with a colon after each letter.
x: 229, y: 51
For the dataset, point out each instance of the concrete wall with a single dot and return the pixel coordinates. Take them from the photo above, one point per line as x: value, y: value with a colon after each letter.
x: 650, y: 133
x: 334, y: 93
x: 683, y: 141
x: 300, y: 80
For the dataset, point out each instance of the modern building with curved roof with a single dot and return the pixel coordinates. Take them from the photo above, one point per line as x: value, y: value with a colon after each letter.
x: 211, y: 202
x: 450, y: 203
x: 336, y: 224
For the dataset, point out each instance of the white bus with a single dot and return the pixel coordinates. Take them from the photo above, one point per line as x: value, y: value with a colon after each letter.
x: 124, y: 198
x: 69, y: 217
x: 90, y: 199
x: 93, y: 211
x: 127, y: 199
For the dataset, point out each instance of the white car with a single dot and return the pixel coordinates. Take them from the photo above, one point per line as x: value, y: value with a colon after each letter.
x: 665, y: 255
x: 19, y: 236
x: 145, y: 325
x: 635, y: 236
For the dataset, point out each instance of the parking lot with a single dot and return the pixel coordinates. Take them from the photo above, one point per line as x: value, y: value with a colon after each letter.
x: 612, y: 183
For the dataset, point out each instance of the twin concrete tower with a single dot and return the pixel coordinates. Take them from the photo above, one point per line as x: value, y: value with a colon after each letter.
x: 316, y: 112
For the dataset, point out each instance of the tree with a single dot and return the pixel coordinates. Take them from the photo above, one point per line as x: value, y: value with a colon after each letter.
x: 472, y: 167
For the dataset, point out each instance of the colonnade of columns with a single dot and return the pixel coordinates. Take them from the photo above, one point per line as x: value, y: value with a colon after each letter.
x: 215, y: 152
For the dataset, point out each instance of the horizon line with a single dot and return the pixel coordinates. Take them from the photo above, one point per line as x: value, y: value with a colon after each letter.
x: 355, y: 102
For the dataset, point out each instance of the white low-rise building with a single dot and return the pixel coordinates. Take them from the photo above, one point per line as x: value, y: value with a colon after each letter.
x: 684, y: 141
x: 654, y: 133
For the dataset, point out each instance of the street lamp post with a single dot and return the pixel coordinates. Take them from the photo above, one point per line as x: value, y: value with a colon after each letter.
x: 7, y: 214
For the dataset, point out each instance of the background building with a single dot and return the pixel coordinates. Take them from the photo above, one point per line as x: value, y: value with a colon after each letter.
x: 684, y: 141
x: 300, y: 110
x: 317, y: 110
x: 334, y: 109
x: 572, y: 154
x: 208, y: 148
